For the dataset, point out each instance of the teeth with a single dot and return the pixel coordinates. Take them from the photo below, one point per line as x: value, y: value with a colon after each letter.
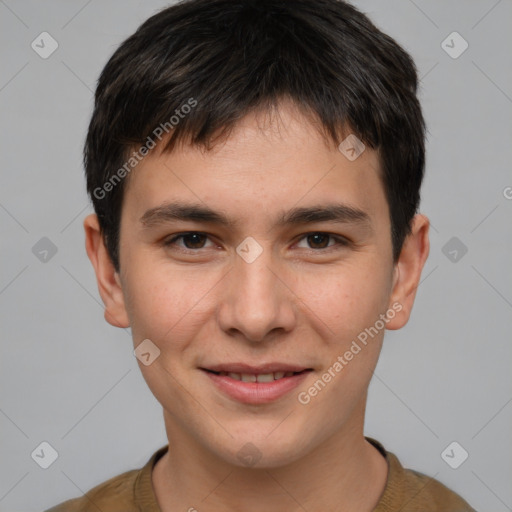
x: 262, y: 377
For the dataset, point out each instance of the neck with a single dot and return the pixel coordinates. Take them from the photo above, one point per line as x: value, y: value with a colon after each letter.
x: 344, y: 472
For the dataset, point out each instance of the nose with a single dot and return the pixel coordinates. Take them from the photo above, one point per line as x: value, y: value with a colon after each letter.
x: 257, y: 303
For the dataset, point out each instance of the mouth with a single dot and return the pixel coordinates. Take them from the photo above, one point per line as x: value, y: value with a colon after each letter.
x: 256, y: 385
x: 258, y: 377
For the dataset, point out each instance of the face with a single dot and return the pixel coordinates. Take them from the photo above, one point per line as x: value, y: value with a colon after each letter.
x: 264, y: 259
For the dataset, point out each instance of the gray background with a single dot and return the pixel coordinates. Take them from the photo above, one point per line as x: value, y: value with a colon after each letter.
x: 69, y: 378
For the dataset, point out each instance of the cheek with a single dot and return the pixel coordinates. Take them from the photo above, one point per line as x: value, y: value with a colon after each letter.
x: 164, y: 305
x: 345, y: 300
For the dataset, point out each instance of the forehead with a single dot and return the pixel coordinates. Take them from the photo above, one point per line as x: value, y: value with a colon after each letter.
x: 268, y: 164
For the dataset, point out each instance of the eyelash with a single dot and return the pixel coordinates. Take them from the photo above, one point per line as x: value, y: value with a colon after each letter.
x: 340, y: 241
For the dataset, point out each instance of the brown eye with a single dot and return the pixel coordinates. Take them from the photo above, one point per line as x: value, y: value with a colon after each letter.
x: 194, y: 240
x: 189, y: 241
x: 318, y: 240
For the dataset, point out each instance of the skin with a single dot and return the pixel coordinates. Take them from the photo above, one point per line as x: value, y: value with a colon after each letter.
x: 298, y: 302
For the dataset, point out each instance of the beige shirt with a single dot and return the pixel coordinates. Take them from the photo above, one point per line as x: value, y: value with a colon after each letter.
x: 405, y: 491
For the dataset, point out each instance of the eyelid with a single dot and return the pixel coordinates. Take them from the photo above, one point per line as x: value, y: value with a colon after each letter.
x: 169, y: 241
x: 341, y: 241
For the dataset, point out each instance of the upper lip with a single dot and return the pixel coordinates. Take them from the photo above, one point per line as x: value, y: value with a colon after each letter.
x: 255, y: 370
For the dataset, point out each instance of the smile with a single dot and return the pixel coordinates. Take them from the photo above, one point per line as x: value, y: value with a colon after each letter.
x: 256, y: 388
x: 262, y: 377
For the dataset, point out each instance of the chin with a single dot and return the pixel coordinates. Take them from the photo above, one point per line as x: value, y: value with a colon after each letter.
x: 263, y: 452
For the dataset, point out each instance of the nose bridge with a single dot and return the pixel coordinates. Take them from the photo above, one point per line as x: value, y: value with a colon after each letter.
x: 255, y: 302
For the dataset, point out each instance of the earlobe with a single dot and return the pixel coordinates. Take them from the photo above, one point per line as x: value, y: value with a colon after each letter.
x: 108, y: 280
x: 407, y: 271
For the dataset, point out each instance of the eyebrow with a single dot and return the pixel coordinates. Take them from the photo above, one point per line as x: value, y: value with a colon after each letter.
x: 337, y: 212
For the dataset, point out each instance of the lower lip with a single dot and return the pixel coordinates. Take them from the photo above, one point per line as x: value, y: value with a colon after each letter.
x: 256, y: 392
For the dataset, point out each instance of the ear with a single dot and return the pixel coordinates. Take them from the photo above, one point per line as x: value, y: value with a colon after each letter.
x: 407, y: 271
x: 109, y: 283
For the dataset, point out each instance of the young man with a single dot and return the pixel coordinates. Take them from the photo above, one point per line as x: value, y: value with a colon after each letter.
x: 255, y: 169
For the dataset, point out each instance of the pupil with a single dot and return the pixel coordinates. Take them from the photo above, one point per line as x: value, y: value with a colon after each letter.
x: 194, y: 241
x: 318, y: 240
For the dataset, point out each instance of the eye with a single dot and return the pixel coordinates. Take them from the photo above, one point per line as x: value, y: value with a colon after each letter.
x: 192, y: 240
x: 195, y: 240
x: 321, y: 241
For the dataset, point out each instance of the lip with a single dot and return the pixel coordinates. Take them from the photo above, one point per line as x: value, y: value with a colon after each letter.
x: 256, y: 392
x: 263, y: 368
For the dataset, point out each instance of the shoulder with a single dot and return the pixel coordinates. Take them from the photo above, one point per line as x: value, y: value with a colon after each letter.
x: 131, y: 491
x: 426, y: 494
x: 114, y: 495
x: 412, y: 491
